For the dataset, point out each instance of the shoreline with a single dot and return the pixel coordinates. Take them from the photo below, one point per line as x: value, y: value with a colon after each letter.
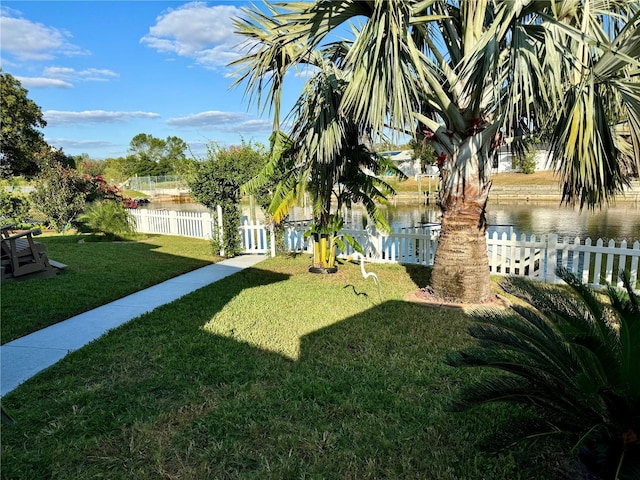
x: 517, y: 195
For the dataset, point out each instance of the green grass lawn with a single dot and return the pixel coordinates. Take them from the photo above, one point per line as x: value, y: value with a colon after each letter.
x: 271, y: 373
x: 546, y: 178
x: 97, y: 273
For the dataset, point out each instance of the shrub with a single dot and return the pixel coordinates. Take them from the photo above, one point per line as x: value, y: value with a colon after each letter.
x: 217, y: 182
x: 575, y: 359
x: 527, y: 162
x: 110, y: 218
x: 14, y: 208
x: 60, y: 195
x: 99, y: 189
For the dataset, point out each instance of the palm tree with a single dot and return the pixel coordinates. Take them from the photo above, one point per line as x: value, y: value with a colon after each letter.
x: 464, y: 74
x: 325, y: 156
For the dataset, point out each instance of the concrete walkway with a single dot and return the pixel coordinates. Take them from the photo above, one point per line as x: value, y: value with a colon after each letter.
x: 24, y: 357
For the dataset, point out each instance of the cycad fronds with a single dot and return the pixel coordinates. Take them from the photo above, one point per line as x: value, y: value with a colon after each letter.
x: 568, y: 356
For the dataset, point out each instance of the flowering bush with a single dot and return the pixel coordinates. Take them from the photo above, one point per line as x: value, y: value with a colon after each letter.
x: 99, y: 189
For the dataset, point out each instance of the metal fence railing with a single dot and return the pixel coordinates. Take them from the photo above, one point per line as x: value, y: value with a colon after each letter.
x: 162, y: 182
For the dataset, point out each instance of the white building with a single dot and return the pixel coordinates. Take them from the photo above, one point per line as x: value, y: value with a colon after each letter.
x: 503, y: 162
x: 402, y: 160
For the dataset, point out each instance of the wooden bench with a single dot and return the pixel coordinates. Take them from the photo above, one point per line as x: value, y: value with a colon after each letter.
x: 22, y: 255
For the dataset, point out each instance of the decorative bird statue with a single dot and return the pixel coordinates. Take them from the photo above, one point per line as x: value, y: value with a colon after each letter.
x: 366, y: 274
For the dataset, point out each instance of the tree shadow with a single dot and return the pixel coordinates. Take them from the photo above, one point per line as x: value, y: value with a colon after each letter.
x: 420, y: 275
x: 160, y: 396
x: 96, y: 273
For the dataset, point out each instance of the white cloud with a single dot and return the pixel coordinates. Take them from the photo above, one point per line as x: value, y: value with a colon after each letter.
x: 197, y: 31
x: 42, y: 82
x: 251, y: 126
x: 77, y: 144
x: 56, y: 117
x: 62, y: 77
x: 90, y: 74
x: 206, y: 119
x: 307, y: 72
x: 27, y: 40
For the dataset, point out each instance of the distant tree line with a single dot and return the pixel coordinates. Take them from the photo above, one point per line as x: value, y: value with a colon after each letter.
x: 25, y: 153
x: 77, y: 191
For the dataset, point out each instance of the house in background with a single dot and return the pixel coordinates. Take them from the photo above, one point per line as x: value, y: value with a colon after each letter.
x: 402, y: 160
x: 503, y: 162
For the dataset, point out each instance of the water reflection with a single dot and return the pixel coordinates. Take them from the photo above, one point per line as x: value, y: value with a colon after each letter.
x: 621, y: 222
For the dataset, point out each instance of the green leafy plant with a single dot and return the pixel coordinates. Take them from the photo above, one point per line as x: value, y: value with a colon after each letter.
x: 574, y: 358
x: 109, y: 218
x: 327, y: 239
x: 325, y: 157
x: 60, y: 195
x: 527, y: 161
x: 217, y: 181
x: 14, y: 208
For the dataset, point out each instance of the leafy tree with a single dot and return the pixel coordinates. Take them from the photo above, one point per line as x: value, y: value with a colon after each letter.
x: 115, y: 168
x: 51, y: 156
x: 84, y: 164
x: 387, y: 146
x: 153, y: 156
x: 20, y: 138
x: 423, y: 150
x: 574, y: 359
x: 217, y: 181
x: 60, y: 195
x: 461, y: 72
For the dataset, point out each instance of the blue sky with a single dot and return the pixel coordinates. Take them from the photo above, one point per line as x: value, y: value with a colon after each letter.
x: 104, y: 71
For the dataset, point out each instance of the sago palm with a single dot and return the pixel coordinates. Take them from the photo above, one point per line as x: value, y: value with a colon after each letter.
x: 574, y: 359
x: 463, y: 75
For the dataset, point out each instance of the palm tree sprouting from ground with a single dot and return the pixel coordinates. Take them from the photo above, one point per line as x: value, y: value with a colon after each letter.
x: 575, y: 359
x: 325, y: 156
x: 464, y: 74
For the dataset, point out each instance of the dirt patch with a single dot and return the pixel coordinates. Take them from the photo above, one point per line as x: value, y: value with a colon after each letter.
x: 425, y: 296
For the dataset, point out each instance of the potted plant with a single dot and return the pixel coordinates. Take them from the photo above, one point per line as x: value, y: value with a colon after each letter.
x: 327, y: 239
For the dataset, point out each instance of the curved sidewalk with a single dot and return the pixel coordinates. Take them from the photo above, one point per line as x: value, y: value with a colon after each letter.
x: 24, y: 357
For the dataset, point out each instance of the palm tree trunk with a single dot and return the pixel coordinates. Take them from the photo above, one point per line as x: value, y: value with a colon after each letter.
x: 461, y: 264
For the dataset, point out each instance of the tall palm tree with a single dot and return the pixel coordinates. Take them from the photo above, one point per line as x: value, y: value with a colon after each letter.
x: 325, y: 156
x: 464, y: 74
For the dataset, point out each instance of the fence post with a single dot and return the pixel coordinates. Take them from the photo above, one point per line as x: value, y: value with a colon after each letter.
x: 206, y: 225
x: 272, y: 239
x: 144, y: 221
x: 220, y: 229
x: 173, y: 222
x: 552, y: 257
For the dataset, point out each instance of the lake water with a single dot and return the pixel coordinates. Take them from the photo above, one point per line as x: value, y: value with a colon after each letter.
x: 620, y: 222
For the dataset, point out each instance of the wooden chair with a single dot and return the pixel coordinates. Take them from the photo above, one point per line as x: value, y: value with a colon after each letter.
x: 22, y: 255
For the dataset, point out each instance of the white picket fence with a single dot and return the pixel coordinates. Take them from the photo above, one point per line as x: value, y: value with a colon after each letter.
x: 535, y: 257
